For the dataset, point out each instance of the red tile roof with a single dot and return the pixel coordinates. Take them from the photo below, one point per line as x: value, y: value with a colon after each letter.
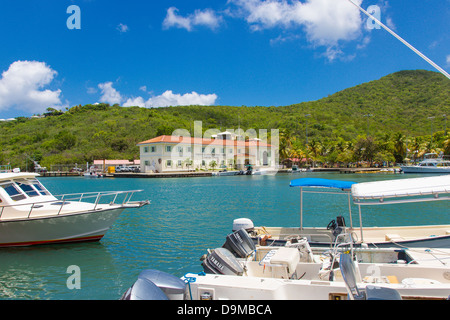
x: 190, y: 140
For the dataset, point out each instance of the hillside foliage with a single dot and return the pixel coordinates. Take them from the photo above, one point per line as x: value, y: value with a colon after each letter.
x: 382, y: 120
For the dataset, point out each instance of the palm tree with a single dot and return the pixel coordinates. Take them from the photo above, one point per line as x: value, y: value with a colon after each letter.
x: 399, y: 146
x: 213, y: 164
x: 315, y: 149
x: 447, y: 146
x: 286, y: 140
x: 416, y: 146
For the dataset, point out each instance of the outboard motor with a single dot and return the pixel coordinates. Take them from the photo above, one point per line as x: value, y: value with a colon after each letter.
x: 240, y: 244
x: 156, y: 285
x: 222, y: 261
x: 243, y: 223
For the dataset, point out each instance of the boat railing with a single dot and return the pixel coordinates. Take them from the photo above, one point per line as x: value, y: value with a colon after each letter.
x: 121, y: 198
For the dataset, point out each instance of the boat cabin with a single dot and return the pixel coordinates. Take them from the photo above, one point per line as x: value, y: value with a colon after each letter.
x: 23, y: 188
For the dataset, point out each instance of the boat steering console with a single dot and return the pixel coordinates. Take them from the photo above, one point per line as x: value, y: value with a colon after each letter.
x: 336, y: 226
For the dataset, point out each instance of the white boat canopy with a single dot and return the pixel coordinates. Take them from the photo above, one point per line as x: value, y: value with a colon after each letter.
x: 396, y: 191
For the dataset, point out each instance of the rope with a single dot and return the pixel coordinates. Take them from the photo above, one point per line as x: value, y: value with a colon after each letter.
x: 190, y: 279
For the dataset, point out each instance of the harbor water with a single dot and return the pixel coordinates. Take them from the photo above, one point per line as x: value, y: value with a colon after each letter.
x: 185, y: 218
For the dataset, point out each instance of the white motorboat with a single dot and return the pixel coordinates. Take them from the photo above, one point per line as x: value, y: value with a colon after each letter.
x: 225, y: 172
x: 241, y: 271
x: 432, y: 163
x: 436, y: 188
x: 264, y: 171
x: 93, y: 175
x: 31, y: 215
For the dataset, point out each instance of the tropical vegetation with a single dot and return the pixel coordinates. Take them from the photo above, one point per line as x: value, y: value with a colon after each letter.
x: 391, y: 120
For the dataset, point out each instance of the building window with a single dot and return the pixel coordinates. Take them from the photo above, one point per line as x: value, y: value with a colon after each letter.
x: 203, y: 163
x: 169, y: 148
x: 147, y: 163
x: 180, y: 163
x: 169, y: 164
x: 145, y: 149
x: 153, y: 149
x: 180, y: 149
x: 203, y: 150
x: 189, y: 149
x: 213, y: 150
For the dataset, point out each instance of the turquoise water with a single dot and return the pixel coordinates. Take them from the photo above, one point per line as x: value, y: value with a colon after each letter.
x: 186, y: 216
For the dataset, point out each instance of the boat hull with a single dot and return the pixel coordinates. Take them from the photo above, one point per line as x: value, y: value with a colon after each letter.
x: 422, y: 169
x: 381, y: 237
x: 78, y: 227
x: 225, y: 287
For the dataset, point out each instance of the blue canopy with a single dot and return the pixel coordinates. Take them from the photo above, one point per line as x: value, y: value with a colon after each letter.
x: 324, y: 183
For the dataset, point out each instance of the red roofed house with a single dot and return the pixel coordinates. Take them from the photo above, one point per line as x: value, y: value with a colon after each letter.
x: 176, y: 153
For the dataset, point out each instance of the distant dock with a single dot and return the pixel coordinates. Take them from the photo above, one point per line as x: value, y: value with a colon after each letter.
x: 347, y: 170
x: 161, y: 175
x: 59, y: 174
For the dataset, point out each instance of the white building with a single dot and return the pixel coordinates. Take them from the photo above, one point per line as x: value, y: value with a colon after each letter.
x: 175, y: 153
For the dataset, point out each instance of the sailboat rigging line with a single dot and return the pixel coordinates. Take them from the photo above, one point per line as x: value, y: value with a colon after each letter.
x: 402, y: 40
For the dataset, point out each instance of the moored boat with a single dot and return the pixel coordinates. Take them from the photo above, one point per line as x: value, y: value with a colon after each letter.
x: 31, y: 215
x: 240, y: 271
x: 432, y: 163
x: 436, y: 188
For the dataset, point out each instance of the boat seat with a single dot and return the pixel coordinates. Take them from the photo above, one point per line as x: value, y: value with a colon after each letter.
x: 392, y: 237
x: 287, y: 258
x: 348, y: 270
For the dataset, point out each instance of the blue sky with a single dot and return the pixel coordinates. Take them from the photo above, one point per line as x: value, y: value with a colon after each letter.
x: 215, y: 52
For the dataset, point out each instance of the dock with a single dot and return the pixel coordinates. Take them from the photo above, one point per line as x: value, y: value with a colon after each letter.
x: 160, y: 175
x: 346, y: 170
x: 59, y: 174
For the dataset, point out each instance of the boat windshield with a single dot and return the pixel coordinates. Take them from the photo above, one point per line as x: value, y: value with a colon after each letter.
x: 13, y: 191
x: 21, y: 188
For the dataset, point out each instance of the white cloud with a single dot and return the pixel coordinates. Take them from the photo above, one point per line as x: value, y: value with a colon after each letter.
x: 22, y: 86
x: 169, y: 98
x: 326, y: 22
x: 448, y: 60
x: 109, y: 94
x: 122, y: 28
x: 206, y: 17
x: 330, y: 21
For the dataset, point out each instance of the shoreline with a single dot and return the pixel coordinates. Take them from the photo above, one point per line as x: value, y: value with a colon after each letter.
x: 210, y: 173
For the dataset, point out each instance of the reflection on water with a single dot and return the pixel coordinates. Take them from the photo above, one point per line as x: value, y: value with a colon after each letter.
x: 185, y: 217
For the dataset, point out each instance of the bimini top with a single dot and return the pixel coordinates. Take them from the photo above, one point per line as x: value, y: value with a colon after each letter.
x: 322, y: 183
x: 419, y: 189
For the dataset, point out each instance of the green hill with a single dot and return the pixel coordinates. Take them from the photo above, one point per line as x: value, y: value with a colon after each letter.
x: 400, y: 104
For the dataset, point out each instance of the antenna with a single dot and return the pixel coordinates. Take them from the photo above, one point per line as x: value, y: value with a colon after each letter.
x: 402, y: 40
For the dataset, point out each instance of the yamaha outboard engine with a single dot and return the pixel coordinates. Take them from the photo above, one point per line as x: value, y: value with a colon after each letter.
x: 240, y: 244
x: 222, y: 261
x: 156, y: 285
